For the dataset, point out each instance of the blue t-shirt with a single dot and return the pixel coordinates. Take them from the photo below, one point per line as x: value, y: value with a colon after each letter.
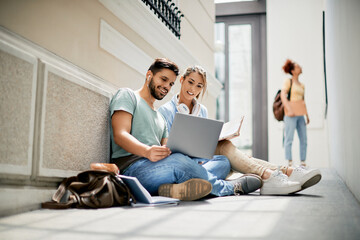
x: 169, y: 109
x: 148, y: 126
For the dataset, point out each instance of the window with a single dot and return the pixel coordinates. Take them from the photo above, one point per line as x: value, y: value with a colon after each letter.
x: 168, y: 13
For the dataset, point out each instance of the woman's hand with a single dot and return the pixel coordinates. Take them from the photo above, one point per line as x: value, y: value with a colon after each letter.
x: 156, y: 153
x: 307, y: 119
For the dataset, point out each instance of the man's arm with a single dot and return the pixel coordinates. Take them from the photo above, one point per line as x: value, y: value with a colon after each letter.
x: 121, y: 124
x: 163, y: 141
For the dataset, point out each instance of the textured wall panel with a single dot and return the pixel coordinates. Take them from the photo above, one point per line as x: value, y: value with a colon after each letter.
x: 76, y: 130
x: 16, y: 84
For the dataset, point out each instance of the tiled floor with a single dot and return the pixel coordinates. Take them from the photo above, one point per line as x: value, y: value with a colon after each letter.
x: 326, y: 211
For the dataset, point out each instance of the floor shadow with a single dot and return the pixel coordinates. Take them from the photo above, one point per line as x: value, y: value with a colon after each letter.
x: 306, y: 195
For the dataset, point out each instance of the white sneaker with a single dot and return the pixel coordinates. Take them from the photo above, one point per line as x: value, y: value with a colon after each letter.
x: 306, y: 177
x: 279, y: 184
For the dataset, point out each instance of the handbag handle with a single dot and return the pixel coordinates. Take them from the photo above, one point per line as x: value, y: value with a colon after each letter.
x: 56, y: 198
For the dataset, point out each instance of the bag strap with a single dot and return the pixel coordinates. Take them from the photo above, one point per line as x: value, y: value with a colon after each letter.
x: 117, y: 180
x: 87, y: 199
x: 58, y: 205
x: 289, y: 95
x: 56, y: 198
x: 63, y: 188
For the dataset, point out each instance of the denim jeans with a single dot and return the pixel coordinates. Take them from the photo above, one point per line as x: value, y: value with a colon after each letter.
x: 178, y: 168
x: 292, y: 123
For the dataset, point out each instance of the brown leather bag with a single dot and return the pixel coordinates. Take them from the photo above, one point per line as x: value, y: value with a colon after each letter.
x: 91, y: 189
x: 278, y: 107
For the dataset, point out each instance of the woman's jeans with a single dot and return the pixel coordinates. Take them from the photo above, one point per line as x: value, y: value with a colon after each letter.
x: 178, y: 168
x: 292, y: 123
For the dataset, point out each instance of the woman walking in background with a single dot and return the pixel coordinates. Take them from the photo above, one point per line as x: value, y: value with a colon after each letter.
x: 295, y: 110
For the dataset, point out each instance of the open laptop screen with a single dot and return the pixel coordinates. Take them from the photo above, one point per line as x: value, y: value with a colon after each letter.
x: 194, y: 136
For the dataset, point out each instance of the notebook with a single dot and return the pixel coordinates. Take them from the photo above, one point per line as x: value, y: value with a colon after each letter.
x: 194, y: 136
x: 142, y: 196
x: 231, y: 129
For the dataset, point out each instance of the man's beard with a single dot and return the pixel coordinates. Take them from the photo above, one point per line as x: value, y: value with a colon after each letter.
x: 153, y: 92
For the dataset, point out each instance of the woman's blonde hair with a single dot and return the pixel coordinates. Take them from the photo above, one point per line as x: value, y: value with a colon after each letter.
x: 199, y: 70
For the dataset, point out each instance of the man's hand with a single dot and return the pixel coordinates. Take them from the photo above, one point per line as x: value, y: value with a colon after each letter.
x: 156, y: 153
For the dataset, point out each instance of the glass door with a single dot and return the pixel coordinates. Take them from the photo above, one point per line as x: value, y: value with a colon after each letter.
x: 239, y: 67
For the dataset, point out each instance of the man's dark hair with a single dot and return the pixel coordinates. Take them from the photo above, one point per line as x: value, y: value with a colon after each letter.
x: 161, y: 63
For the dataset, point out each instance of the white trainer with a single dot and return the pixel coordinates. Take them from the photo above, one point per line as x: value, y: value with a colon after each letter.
x: 305, y: 176
x: 279, y: 184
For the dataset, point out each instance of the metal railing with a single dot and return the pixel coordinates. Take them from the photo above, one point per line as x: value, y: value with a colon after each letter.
x: 169, y: 14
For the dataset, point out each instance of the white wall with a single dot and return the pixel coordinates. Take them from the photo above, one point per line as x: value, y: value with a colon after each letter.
x: 294, y: 30
x: 342, y: 60
x: 80, y: 50
x: 143, y: 37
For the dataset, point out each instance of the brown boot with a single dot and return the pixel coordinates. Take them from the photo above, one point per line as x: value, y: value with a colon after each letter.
x: 189, y: 190
x: 110, y: 167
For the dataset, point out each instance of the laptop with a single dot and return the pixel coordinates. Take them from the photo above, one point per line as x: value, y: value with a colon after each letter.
x: 194, y: 136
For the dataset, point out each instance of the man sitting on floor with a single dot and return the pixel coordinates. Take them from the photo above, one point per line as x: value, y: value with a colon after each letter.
x: 138, y: 138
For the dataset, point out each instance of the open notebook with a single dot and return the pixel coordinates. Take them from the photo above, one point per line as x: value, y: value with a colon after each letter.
x: 231, y: 129
x: 142, y: 196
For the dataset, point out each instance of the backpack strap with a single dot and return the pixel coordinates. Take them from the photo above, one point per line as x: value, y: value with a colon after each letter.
x: 289, y: 94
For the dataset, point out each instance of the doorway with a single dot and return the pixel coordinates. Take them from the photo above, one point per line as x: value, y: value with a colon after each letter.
x: 240, y: 63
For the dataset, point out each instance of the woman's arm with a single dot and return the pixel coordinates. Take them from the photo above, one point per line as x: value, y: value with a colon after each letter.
x: 307, y: 119
x: 307, y: 115
x: 286, y: 103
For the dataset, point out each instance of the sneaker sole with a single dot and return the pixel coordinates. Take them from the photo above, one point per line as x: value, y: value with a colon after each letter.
x: 311, y: 182
x: 189, y: 190
x: 280, y: 191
